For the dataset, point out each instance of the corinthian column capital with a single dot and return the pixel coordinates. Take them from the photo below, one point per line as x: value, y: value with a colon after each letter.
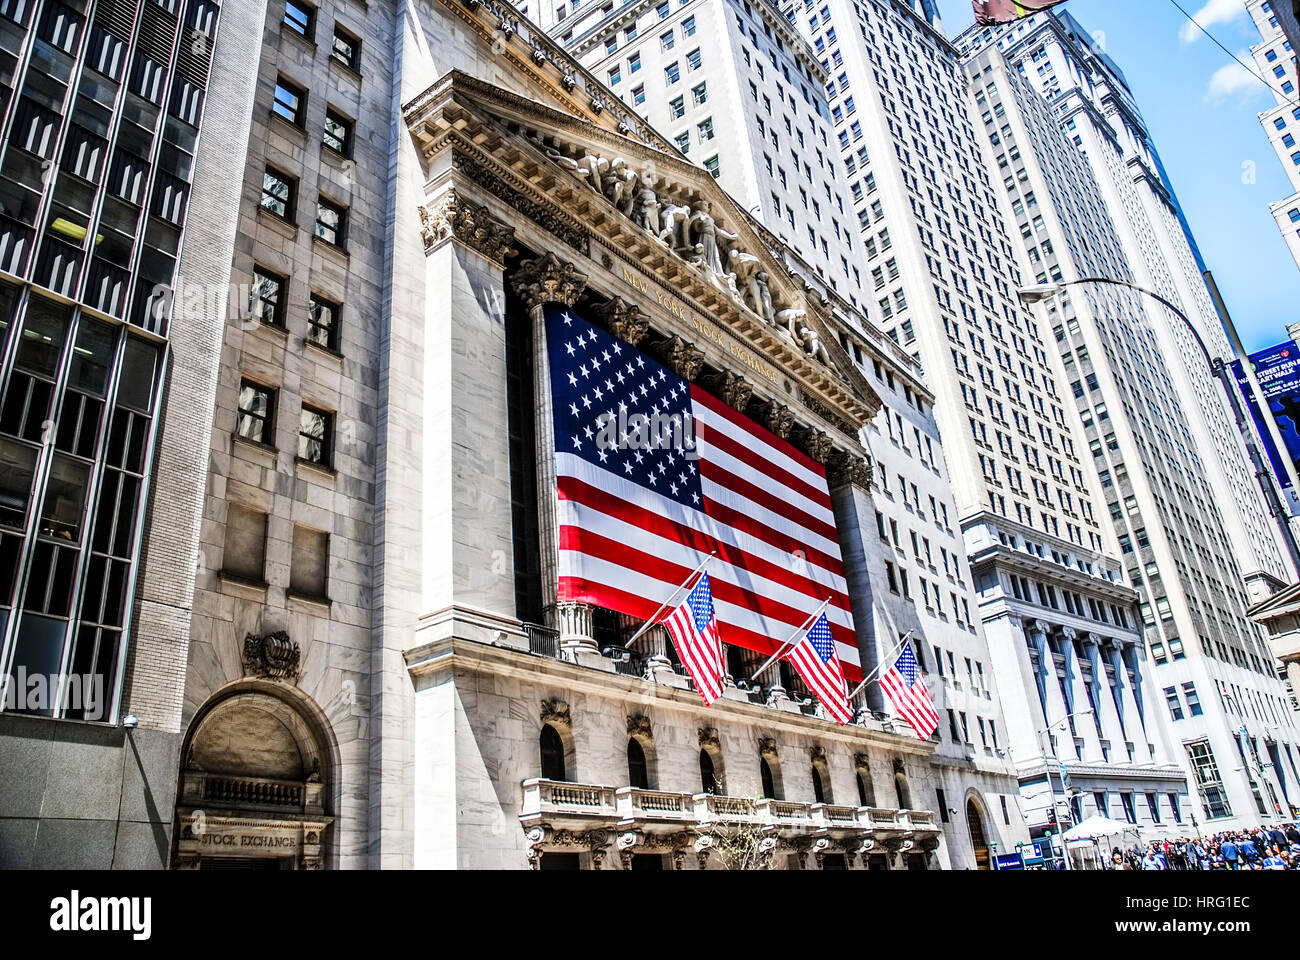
x: 548, y: 279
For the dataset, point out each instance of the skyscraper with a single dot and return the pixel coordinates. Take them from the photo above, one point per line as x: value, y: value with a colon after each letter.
x: 1275, y: 59
x: 1069, y: 141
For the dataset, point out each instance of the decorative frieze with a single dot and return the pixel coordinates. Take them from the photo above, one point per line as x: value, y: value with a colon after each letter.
x: 709, y: 737
x: 767, y: 747
x: 815, y: 443
x: 453, y: 215
x: 498, y: 183
x: 548, y: 279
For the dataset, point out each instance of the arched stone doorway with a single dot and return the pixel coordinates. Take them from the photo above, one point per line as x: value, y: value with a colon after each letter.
x: 254, y: 785
x: 975, y: 822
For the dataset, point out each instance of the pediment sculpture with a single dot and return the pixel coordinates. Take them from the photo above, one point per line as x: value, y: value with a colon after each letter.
x: 674, y: 214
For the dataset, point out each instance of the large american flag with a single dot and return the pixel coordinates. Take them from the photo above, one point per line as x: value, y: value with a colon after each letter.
x: 903, y: 683
x: 693, y: 625
x: 814, y: 657
x: 635, y: 521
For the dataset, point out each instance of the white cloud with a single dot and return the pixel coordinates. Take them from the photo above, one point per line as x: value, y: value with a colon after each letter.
x: 1231, y: 80
x: 1214, y: 12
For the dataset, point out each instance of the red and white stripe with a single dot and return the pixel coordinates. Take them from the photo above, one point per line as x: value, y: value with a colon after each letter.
x: 912, y: 702
x: 701, y: 653
x: 766, y: 512
x: 825, y: 680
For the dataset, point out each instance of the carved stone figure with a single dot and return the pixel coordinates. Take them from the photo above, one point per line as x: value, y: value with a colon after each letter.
x: 674, y: 226
x: 746, y: 267
x: 708, y: 233
x: 766, y: 310
x: 791, y: 319
x: 647, y: 211
x: 812, y: 344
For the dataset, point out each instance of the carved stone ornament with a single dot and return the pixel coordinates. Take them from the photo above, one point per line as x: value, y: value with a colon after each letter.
x: 861, y: 761
x: 709, y: 737
x: 734, y: 391
x: 624, y: 320
x: 273, y: 656
x: 639, y: 725
x: 556, y: 711
x: 816, y: 444
x: 548, y: 279
x: 766, y: 746
x: 817, y: 753
x: 452, y: 215
x: 778, y: 418
x: 683, y: 358
x: 843, y: 468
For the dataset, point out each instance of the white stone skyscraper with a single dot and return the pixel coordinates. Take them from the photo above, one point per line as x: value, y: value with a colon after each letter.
x: 1060, y: 617
x: 1080, y: 176
x: 1276, y: 63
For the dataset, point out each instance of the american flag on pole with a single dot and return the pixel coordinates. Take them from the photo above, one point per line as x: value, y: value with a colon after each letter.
x: 637, y: 516
x: 903, y: 683
x: 693, y: 625
x: 815, y: 660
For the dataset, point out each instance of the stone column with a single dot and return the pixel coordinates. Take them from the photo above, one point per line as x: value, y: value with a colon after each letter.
x: 1130, y: 715
x: 1085, y: 726
x: 1056, y: 706
x: 849, y: 480
x: 1108, y: 721
x: 540, y: 281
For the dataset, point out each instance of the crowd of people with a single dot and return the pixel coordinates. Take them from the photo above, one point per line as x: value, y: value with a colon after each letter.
x: 1264, y: 848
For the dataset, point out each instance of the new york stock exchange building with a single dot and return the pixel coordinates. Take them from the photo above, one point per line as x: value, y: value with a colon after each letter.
x: 381, y: 616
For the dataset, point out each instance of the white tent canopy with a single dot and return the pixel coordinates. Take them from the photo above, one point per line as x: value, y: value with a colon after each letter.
x: 1098, y: 826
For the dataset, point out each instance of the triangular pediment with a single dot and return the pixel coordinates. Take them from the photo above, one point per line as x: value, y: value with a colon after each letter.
x: 663, y: 213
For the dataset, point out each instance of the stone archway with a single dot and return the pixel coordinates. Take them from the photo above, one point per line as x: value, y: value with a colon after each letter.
x: 978, y: 839
x: 254, y: 785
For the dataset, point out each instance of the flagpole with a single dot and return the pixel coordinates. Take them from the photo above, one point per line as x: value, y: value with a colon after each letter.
x: 867, y: 679
x: 781, y: 649
x: 664, y: 606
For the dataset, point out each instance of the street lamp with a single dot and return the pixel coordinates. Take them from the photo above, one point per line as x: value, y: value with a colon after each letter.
x: 1218, y: 368
x: 1051, y: 791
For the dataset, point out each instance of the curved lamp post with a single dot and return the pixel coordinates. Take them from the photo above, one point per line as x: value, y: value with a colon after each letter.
x: 1218, y: 368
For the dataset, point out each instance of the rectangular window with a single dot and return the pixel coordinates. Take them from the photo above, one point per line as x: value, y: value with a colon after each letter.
x: 676, y: 108
x: 346, y: 50
x: 1153, y: 804
x: 300, y: 18
x: 700, y: 94
x: 331, y: 223
x: 1208, y: 781
x: 309, y: 571
x: 256, y: 419
x: 711, y: 165
x: 634, y: 63
x: 1193, y: 701
x: 290, y: 101
x: 316, y: 436
x: 667, y: 40
x: 638, y: 95
x: 278, y: 193
x: 688, y: 27
x: 267, y: 296
x: 323, y: 322
x: 1175, y: 705
x: 245, y: 551
x: 672, y: 73
x: 338, y: 133
x: 706, y: 129
x: 694, y: 60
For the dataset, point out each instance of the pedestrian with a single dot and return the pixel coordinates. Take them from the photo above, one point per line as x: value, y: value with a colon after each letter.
x: 1247, y: 850
x: 1228, y: 850
x: 1277, y: 838
x: 1153, y: 860
x: 1293, y: 836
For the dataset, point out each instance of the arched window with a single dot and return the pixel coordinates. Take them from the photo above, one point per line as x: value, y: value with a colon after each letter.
x: 637, y: 775
x: 708, y: 782
x: 903, y: 793
x: 765, y: 771
x: 866, y: 794
x: 552, y: 754
x: 819, y: 793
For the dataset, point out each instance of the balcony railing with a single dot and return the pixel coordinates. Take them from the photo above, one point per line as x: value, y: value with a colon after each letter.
x: 588, y: 806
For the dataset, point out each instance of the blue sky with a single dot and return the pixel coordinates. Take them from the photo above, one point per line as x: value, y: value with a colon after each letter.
x: 1204, y: 138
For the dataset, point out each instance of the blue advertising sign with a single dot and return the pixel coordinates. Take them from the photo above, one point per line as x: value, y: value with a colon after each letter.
x: 1009, y: 861
x: 1278, y: 372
